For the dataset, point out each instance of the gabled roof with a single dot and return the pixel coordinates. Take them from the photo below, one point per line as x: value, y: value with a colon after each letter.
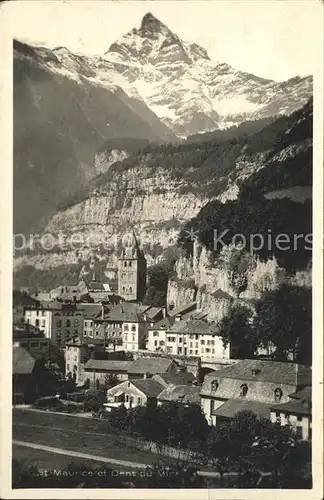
x: 182, y: 309
x: 107, y: 365
x: 231, y: 407
x: 183, y: 393
x: 150, y: 366
x: 22, y: 361
x: 150, y: 387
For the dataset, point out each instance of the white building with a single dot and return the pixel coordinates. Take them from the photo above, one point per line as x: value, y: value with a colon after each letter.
x: 296, y: 413
x: 58, y: 321
x: 253, y: 385
x: 187, y: 337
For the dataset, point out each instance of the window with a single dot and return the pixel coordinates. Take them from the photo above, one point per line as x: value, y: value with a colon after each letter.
x: 299, y: 432
x: 207, y: 349
x: 129, y: 264
x: 67, y: 368
x: 43, y: 313
x: 277, y: 394
x: 133, y: 340
x: 212, y: 406
x: 155, y: 342
x: 202, y: 342
x: 299, y: 418
x: 37, y: 322
x: 133, y: 328
x: 139, y: 401
x: 126, y: 398
x: 76, y: 322
x: 214, y: 385
x: 180, y: 340
x: 155, y: 334
x: 130, y: 290
x: 68, y: 322
x: 37, y: 313
x: 244, y: 390
x: 196, y: 351
x: 125, y: 264
x: 43, y: 322
x: 125, y: 327
x: 190, y: 351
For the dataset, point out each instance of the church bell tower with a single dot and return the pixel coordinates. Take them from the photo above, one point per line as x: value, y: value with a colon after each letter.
x: 132, y: 272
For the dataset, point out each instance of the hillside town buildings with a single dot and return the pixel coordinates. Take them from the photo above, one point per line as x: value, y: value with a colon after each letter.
x: 107, y: 333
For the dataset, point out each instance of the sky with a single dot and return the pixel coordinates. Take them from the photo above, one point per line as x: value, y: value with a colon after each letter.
x: 269, y: 38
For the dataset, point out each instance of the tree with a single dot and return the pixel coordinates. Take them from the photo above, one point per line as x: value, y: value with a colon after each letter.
x: 284, y: 318
x: 253, y: 446
x: 111, y: 380
x: 237, y: 329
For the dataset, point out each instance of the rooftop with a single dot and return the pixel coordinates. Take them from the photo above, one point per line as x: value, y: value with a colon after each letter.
x: 163, y: 324
x: 178, y: 378
x: 184, y: 393
x: 182, y: 309
x: 265, y: 371
x: 150, y: 366
x: 150, y: 387
x: 296, y: 407
x: 233, y: 406
x: 194, y: 326
x: 107, y: 365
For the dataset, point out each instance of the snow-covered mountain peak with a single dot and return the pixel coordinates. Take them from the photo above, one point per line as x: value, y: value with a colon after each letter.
x: 150, y: 25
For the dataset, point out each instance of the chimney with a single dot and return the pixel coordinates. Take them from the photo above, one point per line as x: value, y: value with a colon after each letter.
x: 164, y: 312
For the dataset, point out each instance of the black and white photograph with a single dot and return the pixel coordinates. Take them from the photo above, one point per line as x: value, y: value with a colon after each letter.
x: 162, y: 281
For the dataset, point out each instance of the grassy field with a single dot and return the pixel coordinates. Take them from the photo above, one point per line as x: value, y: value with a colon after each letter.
x: 75, y: 434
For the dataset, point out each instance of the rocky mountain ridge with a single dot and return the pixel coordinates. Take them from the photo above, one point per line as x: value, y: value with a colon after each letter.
x: 158, y: 188
x: 189, y: 92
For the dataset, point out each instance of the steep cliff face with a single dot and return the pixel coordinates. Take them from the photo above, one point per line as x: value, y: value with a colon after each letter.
x: 212, y: 283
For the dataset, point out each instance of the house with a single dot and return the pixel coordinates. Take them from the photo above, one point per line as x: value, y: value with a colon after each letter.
x: 195, y: 337
x: 92, y: 317
x: 122, y: 326
x: 58, y: 321
x: 147, y: 367
x: 184, y: 394
x: 297, y: 412
x: 180, y: 377
x: 132, y: 393
x: 98, y: 370
x: 250, y: 384
x: 77, y: 353
x: 157, y: 334
x: 30, y: 378
x: 33, y: 340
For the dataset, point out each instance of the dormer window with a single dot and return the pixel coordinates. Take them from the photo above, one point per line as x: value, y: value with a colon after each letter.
x: 244, y: 390
x: 255, y: 371
x: 277, y: 394
x: 214, y: 385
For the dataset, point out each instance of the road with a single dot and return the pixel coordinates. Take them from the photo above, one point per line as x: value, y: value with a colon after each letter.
x: 85, y: 456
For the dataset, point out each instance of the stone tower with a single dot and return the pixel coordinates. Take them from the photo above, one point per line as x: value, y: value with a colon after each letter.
x: 132, y: 272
